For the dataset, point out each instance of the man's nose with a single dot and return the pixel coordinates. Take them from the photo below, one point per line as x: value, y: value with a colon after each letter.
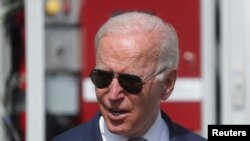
x: 116, y: 91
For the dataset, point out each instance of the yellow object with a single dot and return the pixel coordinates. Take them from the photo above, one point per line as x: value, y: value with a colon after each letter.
x: 52, y: 7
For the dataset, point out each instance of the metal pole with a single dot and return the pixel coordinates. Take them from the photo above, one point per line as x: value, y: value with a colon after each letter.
x: 208, y: 45
x: 35, y: 55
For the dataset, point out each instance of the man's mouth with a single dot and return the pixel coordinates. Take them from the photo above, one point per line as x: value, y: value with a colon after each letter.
x: 117, y: 112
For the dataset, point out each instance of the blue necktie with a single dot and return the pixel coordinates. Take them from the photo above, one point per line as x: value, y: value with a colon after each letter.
x: 137, y: 139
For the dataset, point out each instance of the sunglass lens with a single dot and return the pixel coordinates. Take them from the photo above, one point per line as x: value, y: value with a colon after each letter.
x: 131, y: 83
x: 101, y: 79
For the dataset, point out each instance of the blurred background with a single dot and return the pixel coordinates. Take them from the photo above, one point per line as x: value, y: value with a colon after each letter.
x: 47, y: 52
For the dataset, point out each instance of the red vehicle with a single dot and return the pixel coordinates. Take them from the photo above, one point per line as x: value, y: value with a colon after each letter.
x: 185, y: 16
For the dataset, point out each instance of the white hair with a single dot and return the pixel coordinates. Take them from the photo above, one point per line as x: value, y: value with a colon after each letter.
x: 142, y: 23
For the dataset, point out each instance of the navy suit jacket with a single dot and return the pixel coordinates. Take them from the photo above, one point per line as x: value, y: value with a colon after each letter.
x: 90, y: 132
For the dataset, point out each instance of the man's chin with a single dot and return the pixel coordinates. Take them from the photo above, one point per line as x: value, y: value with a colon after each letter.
x: 117, y: 129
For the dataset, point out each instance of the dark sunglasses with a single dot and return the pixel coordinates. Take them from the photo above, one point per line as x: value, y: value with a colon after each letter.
x: 129, y: 82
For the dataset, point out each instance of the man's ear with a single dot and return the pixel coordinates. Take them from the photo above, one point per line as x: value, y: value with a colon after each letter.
x: 169, y: 80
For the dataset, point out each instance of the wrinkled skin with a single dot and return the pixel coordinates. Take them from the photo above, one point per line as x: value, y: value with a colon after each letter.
x: 129, y: 114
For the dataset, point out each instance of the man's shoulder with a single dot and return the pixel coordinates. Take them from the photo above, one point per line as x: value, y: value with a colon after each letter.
x: 178, y: 132
x: 77, y: 132
x: 183, y: 134
x: 85, y: 131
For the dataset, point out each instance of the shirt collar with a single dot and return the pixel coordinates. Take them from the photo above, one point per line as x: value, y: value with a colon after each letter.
x: 158, y: 132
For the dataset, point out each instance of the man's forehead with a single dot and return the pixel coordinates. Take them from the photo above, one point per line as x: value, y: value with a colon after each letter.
x: 134, y: 43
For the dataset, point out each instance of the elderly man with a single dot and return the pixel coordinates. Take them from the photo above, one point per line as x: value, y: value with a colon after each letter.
x: 136, y: 68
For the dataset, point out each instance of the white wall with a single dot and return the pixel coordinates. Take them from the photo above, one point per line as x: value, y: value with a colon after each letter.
x: 235, y: 66
x: 234, y: 59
